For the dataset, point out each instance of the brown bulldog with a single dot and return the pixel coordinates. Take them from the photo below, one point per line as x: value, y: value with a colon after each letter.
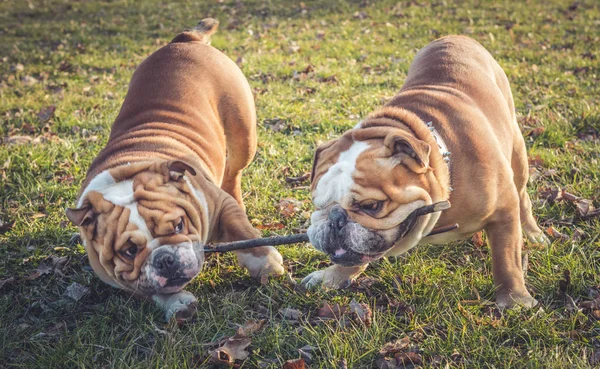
x: 449, y: 134
x: 168, y: 180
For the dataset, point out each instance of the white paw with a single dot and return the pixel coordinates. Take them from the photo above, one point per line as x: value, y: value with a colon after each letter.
x: 325, y: 279
x: 540, y: 238
x: 181, y: 305
x: 511, y: 300
x: 271, y: 263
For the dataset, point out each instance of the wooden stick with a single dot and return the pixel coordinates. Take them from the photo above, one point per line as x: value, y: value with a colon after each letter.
x: 257, y: 242
x: 303, y: 237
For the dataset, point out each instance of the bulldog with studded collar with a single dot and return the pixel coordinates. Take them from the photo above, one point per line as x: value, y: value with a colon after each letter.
x: 456, y: 99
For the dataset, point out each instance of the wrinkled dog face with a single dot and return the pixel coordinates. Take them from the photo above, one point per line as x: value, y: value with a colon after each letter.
x: 362, y: 191
x: 143, y: 232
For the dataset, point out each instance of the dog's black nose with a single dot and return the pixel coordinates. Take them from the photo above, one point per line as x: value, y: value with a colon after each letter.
x: 165, y: 264
x: 338, y: 217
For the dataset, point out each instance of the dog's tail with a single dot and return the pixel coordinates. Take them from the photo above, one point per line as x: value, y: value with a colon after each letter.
x: 202, y: 32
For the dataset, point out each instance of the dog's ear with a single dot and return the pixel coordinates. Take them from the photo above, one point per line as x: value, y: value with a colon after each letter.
x: 178, y: 168
x: 81, y: 216
x: 409, y: 151
x: 320, y: 149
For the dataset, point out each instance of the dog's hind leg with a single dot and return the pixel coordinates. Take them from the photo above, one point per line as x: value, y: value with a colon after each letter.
x: 521, y: 176
x: 504, y: 234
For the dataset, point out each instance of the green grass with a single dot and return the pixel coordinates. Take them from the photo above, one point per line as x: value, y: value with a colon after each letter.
x: 82, y: 54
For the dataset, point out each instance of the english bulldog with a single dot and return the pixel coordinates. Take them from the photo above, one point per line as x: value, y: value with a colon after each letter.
x: 168, y: 180
x: 449, y: 134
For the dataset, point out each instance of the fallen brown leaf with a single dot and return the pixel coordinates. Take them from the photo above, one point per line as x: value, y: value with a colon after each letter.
x: 477, y: 240
x: 405, y: 358
x: 361, y: 313
x: 393, y: 347
x: 289, y: 207
x: 553, y: 232
x: 270, y: 226
x: 233, y: 349
x: 334, y: 311
x: 551, y: 194
x: 584, y: 207
x: 591, y: 305
x: 295, y: 364
x: 252, y: 326
x: 45, y: 114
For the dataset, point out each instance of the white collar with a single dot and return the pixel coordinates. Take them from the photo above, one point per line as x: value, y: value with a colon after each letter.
x: 441, y: 147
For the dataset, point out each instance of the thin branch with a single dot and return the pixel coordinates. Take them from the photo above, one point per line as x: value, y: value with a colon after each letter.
x: 303, y: 237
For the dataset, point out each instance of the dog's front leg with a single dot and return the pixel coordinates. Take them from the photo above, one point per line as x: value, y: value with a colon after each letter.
x: 182, y: 305
x: 336, y: 276
x: 505, y: 241
x: 234, y: 226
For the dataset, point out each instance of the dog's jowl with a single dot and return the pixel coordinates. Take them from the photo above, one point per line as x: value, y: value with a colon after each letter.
x: 449, y: 134
x: 168, y: 180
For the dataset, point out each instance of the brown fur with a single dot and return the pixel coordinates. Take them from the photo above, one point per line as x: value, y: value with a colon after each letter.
x: 187, y: 126
x: 456, y: 84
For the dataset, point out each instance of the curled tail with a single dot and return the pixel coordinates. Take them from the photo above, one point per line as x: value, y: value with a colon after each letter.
x: 202, y: 32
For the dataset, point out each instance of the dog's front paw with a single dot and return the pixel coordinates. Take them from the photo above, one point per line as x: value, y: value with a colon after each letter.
x: 182, y: 306
x: 262, y: 261
x: 326, y: 279
x: 506, y: 300
x: 539, y: 238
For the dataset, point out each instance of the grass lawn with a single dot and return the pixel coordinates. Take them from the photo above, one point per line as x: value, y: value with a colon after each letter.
x: 316, y: 69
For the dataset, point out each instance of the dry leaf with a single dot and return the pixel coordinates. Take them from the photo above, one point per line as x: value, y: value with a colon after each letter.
x: 477, y: 240
x: 45, y: 114
x: 289, y: 207
x: 568, y: 196
x: 289, y: 313
x: 38, y: 215
x: 252, y: 326
x: 391, y: 348
x: 76, y: 291
x: 41, y: 270
x: 270, y: 226
x: 233, y: 349
x: 405, y: 358
x: 551, y: 194
x: 553, y: 232
x: 295, y: 364
x: 334, y: 311
x: 584, y: 207
x: 362, y: 313
x: 591, y: 305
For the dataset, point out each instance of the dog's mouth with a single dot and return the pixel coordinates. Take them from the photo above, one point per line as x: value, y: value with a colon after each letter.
x: 177, y: 282
x: 345, y: 257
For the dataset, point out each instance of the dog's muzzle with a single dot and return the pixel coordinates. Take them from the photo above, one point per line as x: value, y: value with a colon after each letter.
x: 346, y: 242
x: 170, y: 267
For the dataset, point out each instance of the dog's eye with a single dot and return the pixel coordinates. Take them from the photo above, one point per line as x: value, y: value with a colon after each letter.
x: 130, y: 252
x: 179, y: 226
x: 371, y: 207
